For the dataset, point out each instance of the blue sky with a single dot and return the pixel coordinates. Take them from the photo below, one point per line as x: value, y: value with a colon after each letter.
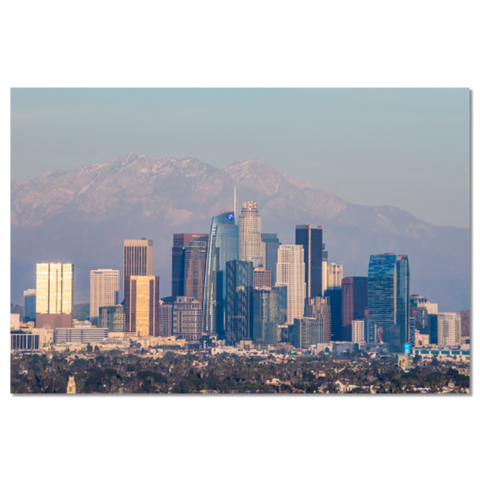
x: 403, y: 147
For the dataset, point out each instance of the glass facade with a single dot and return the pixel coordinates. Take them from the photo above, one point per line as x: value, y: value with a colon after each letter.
x: 238, y: 324
x: 388, y: 297
x: 222, y: 247
x: 265, y: 316
x: 112, y: 317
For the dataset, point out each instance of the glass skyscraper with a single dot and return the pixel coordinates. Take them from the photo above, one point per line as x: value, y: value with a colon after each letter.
x: 222, y: 247
x: 388, y: 297
x: 270, y: 244
x: 310, y: 238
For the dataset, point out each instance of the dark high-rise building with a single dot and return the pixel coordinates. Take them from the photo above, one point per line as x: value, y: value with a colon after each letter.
x: 180, y: 243
x: 354, y: 302
x: 194, y: 271
x: 239, y: 303
x: 310, y: 238
x: 465, y: 322
x: 270, y: 244
x: 29, y: 297
x: 335, y: 299
x: 222, y: 247
x: 388, y: 297
x: 307, y: 331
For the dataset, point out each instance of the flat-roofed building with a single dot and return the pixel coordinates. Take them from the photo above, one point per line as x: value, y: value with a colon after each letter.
x: 112, y: 317
x: 449, y: 329
x: 358, y: 331
x: 104, y: 290
x: 80, y: 335
x: 24, y: 340
x: 137, y: 259
x: 187, y: 319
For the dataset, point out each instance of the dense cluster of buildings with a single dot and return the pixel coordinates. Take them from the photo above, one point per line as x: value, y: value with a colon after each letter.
x: 237, y: 284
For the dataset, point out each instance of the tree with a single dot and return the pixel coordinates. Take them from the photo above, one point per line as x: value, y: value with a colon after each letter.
x: 89, y: 348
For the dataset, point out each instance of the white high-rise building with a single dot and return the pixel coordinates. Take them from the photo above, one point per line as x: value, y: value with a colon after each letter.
x: 291, y: 272
x: 358, y: 331
x: 449, y: 329
x: 104, y: 290
x: 250, y: 228
x: 335, y: 275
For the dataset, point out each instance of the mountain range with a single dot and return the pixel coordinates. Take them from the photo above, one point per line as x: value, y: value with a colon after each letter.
x: 83, y: 216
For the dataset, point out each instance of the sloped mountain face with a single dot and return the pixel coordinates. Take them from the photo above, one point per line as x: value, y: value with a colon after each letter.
x: 83, y: 216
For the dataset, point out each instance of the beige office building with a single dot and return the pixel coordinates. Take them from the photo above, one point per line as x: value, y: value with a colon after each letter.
x: 137, y: 258
x: 104, y: 290
x: 54, y: 287
x: 449, y: 329
x: 291, y: 272
x: 358, y: 331
x: 250, y: 236
x: 142, y: 305
x: 335, y: 275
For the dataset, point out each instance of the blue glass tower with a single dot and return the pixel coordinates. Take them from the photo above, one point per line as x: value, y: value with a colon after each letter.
x: 222, y: 247
x: 388, y: 297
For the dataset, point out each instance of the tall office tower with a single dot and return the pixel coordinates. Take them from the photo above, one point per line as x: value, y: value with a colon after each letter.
x: 141, y: 304
x: 104, y: 291
x: 324, y: 269
x: 265, y: 316
x: 388, y: 297
x: 465, y: 316
x: 250, y: 240
x: 291, y: 273
x: 335, y: 275
x: 262, y: 277
x: 449, y: 329
x: 180, y: 244
x: 54, y: 302
x: 111, y: 317
x: 307, y: 331
x: 239, y: 303
x: 319, y: 308
x: 334, y: 296
x: 187, y: 319
x: 194, y: 271
x: 222, y: 247
x: 270, y: 244
x: 358, y: 331
x: 310, y: 238
x: 165, y: 320
x: 29, y: 303
x: 354, y: 302
x: 137, y: 259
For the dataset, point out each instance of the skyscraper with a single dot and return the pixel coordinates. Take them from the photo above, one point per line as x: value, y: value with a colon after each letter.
x: 239, y: 303
x: 265, y: 315
x: 180, y: 243
x: 165, y: 320
x: 54, y: 302
x: 449, y: 329
x: 354, y: 302
x: 194, y: 271
x: 388, y: 297
x: 270, y: 244
x: 222, y: 247
x: 137, y: 258
x: 141, y: 304
x: 319, y: 308
x: 291, y: 273
x: 334, y: 296
x: 250, y: 240
x: 465, y: 316
x: 104, y: 290
x: 310, y: 238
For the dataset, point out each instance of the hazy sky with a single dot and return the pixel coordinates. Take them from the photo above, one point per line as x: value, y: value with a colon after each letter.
x: 403, y: 147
